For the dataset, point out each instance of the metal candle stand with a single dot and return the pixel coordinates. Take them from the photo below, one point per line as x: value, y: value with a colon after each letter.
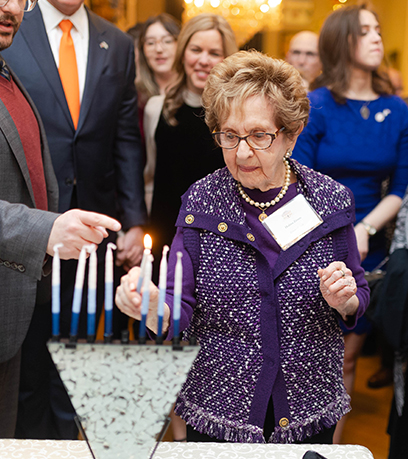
x: 122, y: 393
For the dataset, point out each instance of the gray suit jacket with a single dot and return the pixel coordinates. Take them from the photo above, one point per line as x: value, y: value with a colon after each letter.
x: 24, y: 232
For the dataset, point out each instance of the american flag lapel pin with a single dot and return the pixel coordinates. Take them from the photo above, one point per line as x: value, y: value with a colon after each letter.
x: 103, y: 45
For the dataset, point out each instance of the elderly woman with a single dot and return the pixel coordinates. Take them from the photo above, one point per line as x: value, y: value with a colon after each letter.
x: 271, y: 268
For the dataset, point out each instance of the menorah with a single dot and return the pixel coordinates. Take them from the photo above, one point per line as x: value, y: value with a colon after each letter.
x: 122, y: 393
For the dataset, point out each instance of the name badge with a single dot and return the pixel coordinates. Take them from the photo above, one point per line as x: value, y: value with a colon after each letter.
x: 292, y: 222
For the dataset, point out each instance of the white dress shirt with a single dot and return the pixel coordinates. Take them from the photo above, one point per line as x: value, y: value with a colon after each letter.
x: 79, y: 33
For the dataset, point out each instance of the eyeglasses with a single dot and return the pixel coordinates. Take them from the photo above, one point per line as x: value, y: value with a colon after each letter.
x: 165, y: 42
x: 257, y: 141
x: 308, y: 54
x: 25, y: 5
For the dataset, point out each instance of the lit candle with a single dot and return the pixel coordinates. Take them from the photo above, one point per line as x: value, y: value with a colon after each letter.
x: 92, y: 277
x: 109, y: 290
x: 77, y: 301
x: 162, y: 293
x: 145, y: 299
x: 56, y: 289
x: 147, y: 242
x: 178, y: 280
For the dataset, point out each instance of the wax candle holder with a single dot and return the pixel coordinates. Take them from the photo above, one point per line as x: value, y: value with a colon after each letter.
x: 123, y: 393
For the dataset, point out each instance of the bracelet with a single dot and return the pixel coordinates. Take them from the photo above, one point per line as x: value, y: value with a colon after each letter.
x: 369, y: 228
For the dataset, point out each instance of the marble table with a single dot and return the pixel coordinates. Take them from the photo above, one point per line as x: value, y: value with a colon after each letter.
x: 50, y: 449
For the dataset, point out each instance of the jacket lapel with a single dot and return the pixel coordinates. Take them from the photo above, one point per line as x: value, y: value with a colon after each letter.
x: 97, y: 56
x: 35, y: 35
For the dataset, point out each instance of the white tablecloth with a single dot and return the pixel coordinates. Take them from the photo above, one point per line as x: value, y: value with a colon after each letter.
x: 43, y: 449
x: 256, y: 451
x: 50, y: 449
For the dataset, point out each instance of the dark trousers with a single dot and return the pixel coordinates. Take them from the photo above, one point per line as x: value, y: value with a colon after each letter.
x: 398, y: 428
x: 44, y: 409
x: 9, y: 377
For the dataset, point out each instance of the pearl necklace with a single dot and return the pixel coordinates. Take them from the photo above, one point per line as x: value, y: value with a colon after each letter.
x: 265, y: 205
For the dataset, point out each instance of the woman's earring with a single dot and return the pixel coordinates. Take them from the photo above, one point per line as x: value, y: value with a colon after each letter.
x: 288, y: 154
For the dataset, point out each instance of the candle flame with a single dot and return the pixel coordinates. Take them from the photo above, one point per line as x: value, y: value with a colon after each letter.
x: 147, y: 242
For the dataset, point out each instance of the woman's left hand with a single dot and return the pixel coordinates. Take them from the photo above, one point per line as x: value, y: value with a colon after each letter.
x: 339, y: 288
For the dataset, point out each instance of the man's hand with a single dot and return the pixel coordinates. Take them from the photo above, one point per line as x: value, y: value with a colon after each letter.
x: 130, y: 248
x: 76, y: 228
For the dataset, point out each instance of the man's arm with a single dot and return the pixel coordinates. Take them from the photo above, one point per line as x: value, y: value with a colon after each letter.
x: 28, y: 235
x: 24, y: 234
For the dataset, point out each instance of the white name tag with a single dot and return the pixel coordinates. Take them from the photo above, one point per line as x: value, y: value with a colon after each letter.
x: 292, y: 222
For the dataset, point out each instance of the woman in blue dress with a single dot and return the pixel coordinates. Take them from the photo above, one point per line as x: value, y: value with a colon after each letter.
x: 358, y: 134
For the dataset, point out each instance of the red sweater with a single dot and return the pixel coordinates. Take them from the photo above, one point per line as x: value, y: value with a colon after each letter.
x: 29, y: 132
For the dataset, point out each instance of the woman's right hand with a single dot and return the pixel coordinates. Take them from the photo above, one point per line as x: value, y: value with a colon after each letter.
x: 362, y: 240
x: 129, y: 301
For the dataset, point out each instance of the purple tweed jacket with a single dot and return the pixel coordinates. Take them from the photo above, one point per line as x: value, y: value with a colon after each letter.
x: 262, y: 334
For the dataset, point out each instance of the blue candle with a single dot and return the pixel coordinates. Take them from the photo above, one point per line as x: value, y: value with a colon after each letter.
x: 92, y: 277
x: 109, y: 289
x: 145, y: 297
x: 79, y: 283
x: 147, y: 242
x: 162, y: 290
x: 178, y: 281
x: 56, y: 290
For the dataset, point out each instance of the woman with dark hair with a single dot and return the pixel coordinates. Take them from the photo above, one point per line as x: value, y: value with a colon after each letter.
x: 157, y: 48
x: 358, y: 134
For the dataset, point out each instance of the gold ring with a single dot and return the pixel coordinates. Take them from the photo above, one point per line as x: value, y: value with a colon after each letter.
x: 343, y: 274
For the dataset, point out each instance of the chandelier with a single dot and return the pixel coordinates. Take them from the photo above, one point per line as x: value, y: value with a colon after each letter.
x: 246, y: 17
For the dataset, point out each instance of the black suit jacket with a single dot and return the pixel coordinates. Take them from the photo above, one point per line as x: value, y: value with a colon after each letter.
x: 104, y: 154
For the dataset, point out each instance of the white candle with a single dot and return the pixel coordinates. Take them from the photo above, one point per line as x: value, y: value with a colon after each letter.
x: 79, y: 284
x: 146, y: 296
x: 92, y: 281
x: 109, y: 288
x: 162, y: 289
x: 178, y: 281
x: 147, y: 242
x: 56, y: 288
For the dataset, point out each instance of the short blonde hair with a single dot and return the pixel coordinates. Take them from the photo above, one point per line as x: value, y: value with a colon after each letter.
x: 202, y: 22
x: 250, y: 73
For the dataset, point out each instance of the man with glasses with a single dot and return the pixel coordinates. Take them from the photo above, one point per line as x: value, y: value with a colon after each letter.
x: 29, y: 226
x: 303, y: 54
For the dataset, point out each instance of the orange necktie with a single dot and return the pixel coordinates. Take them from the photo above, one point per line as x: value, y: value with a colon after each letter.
x: 68, y: 70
